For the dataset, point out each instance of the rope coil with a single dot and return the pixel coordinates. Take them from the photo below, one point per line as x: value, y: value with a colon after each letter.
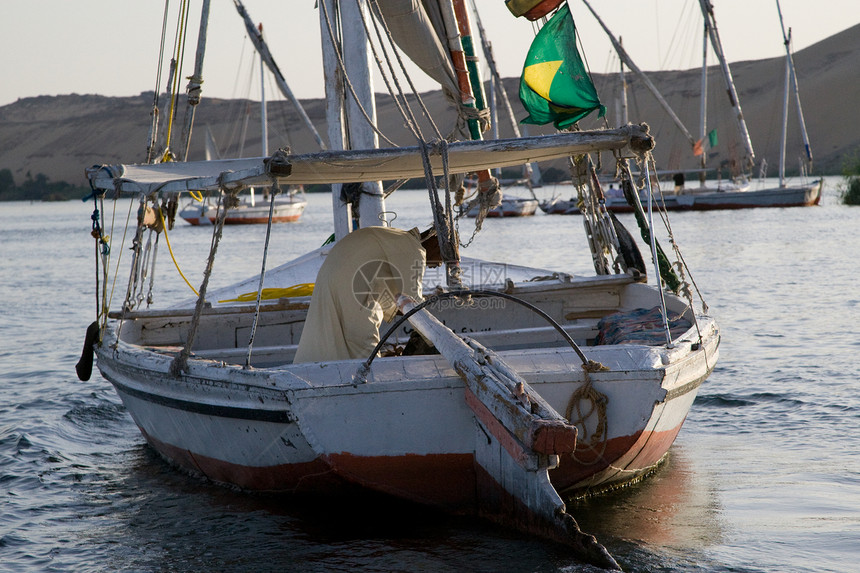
x: 586, y: 403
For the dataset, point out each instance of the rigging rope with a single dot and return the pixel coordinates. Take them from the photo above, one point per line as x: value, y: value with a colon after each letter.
x: 683, y: 268
x: 403, y: 107
x: 153, y: 130
x: 276, y: 189
x: 118, y: 187
x: 179, y: 46
x: 631, y: 194
x: 136, y: 248
x: 342, y: 67
x: 180, y: 362
x: 653, y: 244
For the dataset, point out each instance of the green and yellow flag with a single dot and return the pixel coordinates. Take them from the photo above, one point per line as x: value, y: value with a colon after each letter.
x: 555, y: 87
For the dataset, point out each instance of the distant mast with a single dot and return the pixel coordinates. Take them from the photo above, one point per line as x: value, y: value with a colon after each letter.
x: 792, y: 76
x: 263, y: 110
x: 628, y: 61
x: 703, y: 106
x: 623, y: 116
x: 256, y: 36
x: 711, y: 27
x: 195, y: 82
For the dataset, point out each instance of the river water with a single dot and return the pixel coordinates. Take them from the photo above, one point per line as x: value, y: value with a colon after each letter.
x: 765, y: 475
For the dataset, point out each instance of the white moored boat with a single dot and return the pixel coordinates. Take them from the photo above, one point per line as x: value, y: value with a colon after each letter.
x: 248, y: 211
x: 706, y: 199
x: 738, y: 193
x: 509, y: 207
x: 569, y: 385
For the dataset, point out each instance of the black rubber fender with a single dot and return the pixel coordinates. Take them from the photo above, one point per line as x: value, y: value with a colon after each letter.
x: 84, y: 367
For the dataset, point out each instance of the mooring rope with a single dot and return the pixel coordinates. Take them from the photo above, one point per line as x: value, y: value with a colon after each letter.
x: 579, y: 416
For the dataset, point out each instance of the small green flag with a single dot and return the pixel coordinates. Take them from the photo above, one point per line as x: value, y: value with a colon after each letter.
x: 555, y: 86
x: 712, y: 138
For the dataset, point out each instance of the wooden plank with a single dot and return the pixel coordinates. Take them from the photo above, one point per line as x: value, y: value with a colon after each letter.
x: 281, y: 304
x: 519, y: 410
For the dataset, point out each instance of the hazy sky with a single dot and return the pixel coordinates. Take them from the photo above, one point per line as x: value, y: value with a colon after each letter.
x: 110, y: 47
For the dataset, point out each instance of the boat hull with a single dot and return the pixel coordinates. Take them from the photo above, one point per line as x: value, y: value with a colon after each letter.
x: 799, y: 196
x: 308, y: 428
x: 510, y: 207
x: 284, y: 212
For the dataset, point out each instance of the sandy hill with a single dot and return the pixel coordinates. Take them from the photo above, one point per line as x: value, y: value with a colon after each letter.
x: 60, y: 136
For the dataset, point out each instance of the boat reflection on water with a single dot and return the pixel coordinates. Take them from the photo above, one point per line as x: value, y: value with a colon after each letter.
x: 665, y: 522
x: 676, y: 507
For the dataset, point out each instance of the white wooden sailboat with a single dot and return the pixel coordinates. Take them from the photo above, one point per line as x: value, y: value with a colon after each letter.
x: 289, y: 206
x: 509, y: 207
x: 706, y: 199
x: 574, y: 384
x: 249, y: 210
x: 736, y: 194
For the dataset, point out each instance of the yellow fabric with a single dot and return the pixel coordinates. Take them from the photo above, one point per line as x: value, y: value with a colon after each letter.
x: 302, y: 289
x: 357, y: 288
x: 539, y: 76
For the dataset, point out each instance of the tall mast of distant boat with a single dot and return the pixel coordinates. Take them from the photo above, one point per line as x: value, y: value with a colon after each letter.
x: 711, y: 28
x: 264, y: 114
x: 256, y: 36
x: 790, y: 83
x: 622, y: 113
x: 628, y: 61
x: 703, y: 106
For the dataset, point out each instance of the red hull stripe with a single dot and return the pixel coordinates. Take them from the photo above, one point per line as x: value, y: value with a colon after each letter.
x: 444, y: 480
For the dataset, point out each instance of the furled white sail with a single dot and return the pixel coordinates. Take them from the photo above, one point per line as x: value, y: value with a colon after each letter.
x: 361, y: 165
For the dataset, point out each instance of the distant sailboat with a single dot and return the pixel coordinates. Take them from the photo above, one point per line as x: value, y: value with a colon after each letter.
x: 738, y: 194
x: 289, y: 206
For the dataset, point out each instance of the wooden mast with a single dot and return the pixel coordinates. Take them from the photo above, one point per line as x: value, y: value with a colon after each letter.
x: 344, y: 41
x: 628, y: 61
x: 195, y: 82
x: 471, y: 89
x: 711, y: 27
x: 789, y: 62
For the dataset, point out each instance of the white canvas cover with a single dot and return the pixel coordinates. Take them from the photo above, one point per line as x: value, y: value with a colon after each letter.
x: 356, y: 289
